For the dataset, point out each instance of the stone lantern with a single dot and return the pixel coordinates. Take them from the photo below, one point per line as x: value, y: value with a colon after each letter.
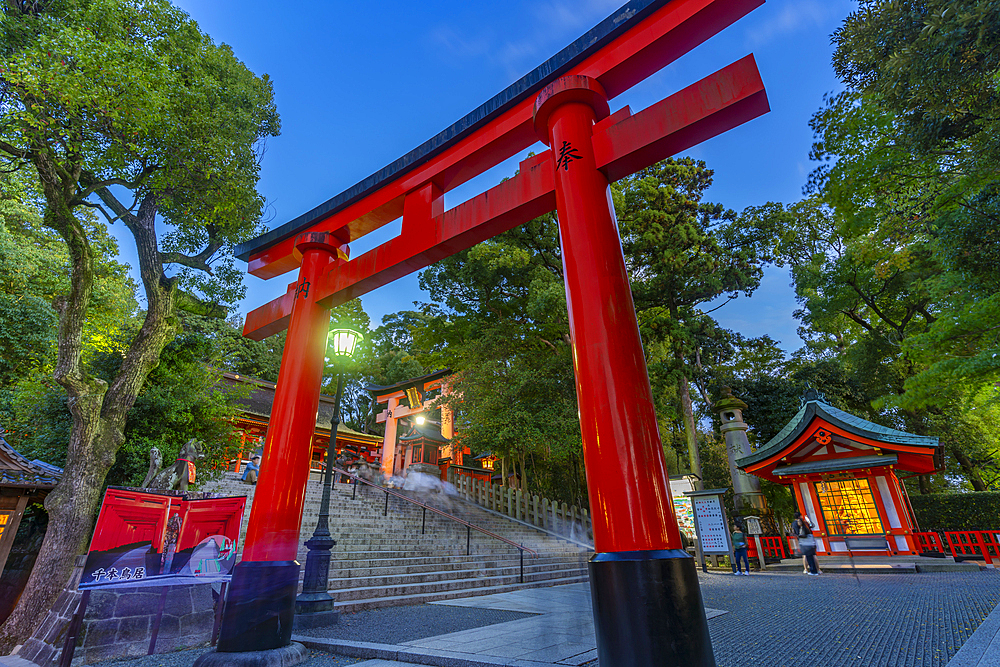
x: 746, y: 488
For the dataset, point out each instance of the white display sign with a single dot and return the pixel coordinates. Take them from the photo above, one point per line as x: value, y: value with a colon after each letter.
x: 712, y: 529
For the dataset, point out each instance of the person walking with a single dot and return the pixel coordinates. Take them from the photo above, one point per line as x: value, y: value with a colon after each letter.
x: 802, y: 528
x: 740, y: 560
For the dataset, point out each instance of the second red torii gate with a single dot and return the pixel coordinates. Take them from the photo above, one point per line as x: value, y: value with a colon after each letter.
x: 647, y: 604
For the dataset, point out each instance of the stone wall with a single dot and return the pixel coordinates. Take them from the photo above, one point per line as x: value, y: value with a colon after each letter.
x: 118, y: 623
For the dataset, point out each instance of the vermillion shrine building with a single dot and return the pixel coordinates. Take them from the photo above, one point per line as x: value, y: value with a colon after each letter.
x: 846, y: 475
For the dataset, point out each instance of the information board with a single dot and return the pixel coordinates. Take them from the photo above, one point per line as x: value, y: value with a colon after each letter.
x: 712, y: 530
x: 683, y: 510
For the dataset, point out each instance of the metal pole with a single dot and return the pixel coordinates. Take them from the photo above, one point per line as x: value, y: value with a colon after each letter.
x: 468, y: 540
x: 423, y: 524
x: 159, y: 619
x: 521, y: 551
x: 386, y: 512
x: 218, y: 612
x: 314, y: 597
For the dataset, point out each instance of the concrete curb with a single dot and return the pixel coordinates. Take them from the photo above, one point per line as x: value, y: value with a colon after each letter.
x: 412, y: 654
x: 982, y: 649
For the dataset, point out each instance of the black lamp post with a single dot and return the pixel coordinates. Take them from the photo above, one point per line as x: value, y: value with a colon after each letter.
x: 314, y: 606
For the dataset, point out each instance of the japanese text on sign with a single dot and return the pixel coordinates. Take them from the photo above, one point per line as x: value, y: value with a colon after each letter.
x: 712, y: 529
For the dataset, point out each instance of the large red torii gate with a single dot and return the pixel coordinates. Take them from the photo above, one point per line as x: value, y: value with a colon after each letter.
x: 564, y: 103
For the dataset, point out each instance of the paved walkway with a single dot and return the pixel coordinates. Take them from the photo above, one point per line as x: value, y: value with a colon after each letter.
x: 782, y: 620
x: 779, y: 620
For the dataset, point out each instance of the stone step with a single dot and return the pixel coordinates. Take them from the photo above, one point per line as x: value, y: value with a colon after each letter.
x: 388, y: 580
x: 409, y: 558
x: 420, y: 598
x: 409, y: 587
x: 402, y: 554
x: 394, y: 568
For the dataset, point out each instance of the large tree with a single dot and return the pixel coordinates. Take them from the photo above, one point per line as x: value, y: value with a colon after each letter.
x: 124, y: 106
x: 681, y: 253
x: 913, y: 140
x: 499, y: 319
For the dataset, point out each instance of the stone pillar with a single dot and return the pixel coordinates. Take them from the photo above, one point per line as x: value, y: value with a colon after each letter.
x: 746, y: 488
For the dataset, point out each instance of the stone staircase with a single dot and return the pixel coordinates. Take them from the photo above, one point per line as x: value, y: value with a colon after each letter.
x: 396, y: 553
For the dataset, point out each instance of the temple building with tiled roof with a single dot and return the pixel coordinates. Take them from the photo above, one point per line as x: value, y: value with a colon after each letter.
x: 256, y: 412
x: 21, y: 482
x: 844, y: 472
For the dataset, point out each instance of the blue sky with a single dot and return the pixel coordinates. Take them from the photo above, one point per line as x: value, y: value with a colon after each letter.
x: 360, y: 84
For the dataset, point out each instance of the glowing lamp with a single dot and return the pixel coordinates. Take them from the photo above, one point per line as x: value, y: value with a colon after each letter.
x: 342, y: 343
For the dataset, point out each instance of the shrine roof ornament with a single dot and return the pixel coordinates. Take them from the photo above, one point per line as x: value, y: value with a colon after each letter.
x: 837, y: 465
x: 428, y: 434
x: 260, y: 401
x: 813, y: 405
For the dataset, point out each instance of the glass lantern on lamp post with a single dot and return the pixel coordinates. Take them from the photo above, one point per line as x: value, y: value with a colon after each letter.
x: 314, y: 606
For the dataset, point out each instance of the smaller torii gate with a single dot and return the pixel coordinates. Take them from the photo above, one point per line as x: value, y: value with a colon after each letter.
x: 647, y: 604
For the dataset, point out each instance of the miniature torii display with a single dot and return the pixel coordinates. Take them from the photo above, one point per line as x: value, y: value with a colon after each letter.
x: 563, y: 103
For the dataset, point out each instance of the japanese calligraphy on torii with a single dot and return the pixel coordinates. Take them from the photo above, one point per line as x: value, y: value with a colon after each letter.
x: 566, y: 155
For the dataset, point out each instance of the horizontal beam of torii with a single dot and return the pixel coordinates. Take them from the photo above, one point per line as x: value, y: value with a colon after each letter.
x: 414, y: 187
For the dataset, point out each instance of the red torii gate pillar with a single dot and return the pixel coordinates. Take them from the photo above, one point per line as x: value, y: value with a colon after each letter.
x: 647, y: 603
x: 261, y: 601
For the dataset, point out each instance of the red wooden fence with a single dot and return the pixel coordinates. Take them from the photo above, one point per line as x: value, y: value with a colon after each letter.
x: 975, y: 543
x: 928, y: 542
x: 773, y: 547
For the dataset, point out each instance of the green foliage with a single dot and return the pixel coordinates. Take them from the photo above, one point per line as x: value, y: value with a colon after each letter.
x: 181, y: 399
x: 499, y: 320
x: 27, y: 332
x: 34, y: 272
x: 941, y: 512
x: 35, y: 415
x: 910, y: 150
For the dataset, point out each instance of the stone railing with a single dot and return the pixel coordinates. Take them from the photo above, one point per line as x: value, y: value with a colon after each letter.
x: 558, y: 518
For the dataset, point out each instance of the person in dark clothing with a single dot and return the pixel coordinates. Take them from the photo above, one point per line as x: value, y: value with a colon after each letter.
x: 740, y: 560
x: 802, y: 528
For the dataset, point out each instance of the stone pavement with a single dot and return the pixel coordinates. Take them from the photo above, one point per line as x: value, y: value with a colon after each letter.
x: 983, y: 648
x: 780, y: 620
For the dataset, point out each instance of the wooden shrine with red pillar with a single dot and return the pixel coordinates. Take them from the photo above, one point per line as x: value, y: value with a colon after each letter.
x: 845, y: 474
x: 255, y: 416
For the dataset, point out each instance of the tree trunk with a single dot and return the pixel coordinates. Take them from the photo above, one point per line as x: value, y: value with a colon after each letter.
x: 98, y: 410
x: 691, y: 435
x: 524, y: 475
x: 924, y: 482
x: 969, y: 468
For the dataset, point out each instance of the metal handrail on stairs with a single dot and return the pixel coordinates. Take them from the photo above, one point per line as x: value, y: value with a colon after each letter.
x: 468, y: 526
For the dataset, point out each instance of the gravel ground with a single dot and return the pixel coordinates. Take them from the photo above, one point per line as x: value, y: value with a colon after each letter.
x: 395, y: 625
x: 886, y: 620
x: 187, y: 658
